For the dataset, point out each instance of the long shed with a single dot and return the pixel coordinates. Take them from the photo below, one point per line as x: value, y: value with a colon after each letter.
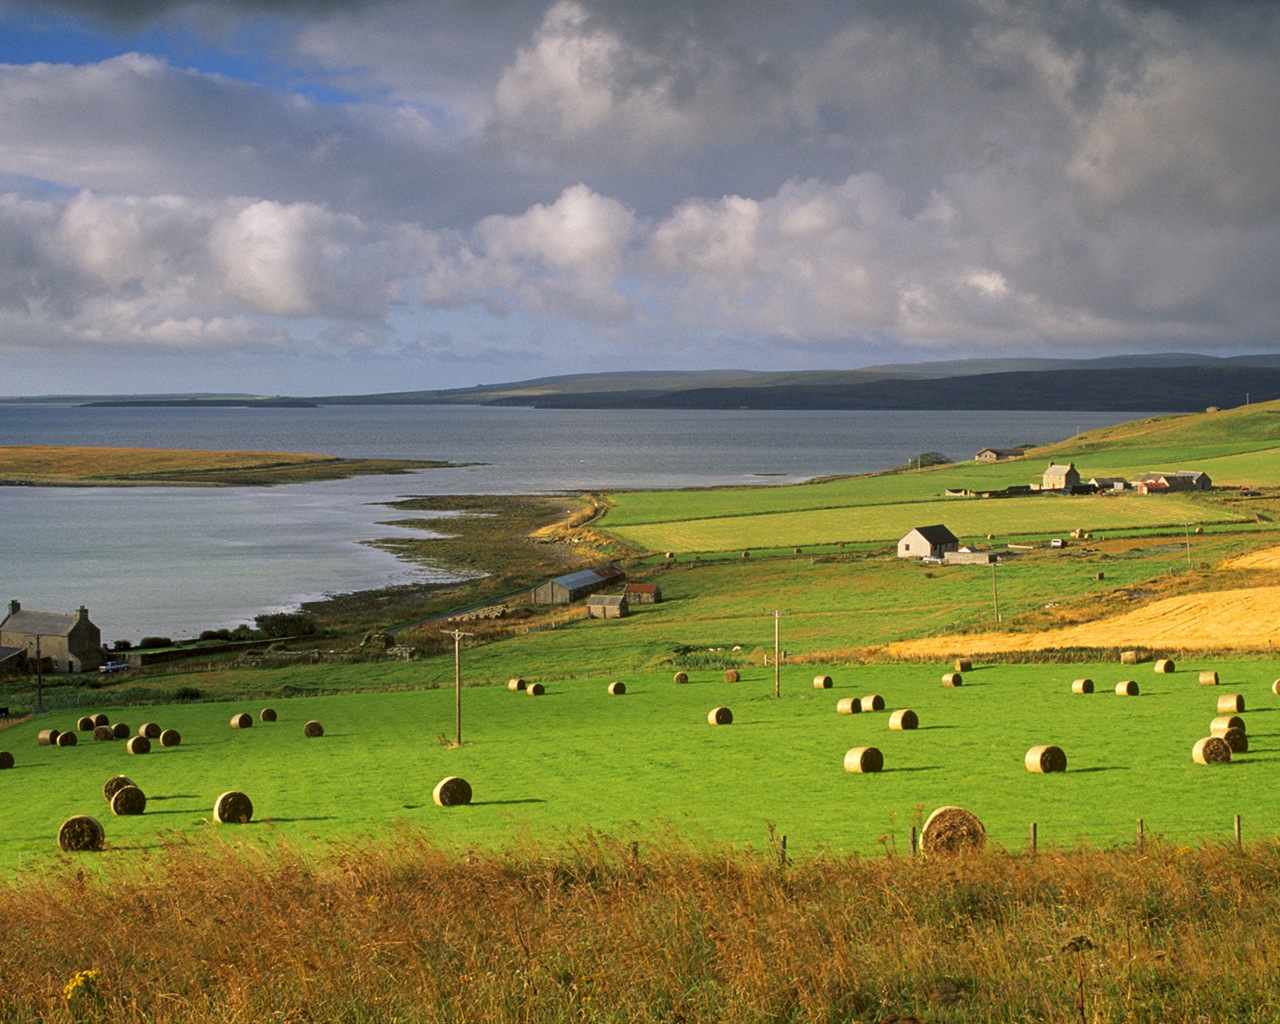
x: 575, y: 586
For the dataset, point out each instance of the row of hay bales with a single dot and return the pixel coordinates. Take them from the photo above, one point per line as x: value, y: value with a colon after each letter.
x: 518, y: 685
x: 243, y: 720
x: 102, y: 729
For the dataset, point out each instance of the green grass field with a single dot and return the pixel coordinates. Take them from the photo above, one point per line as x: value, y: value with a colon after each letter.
x: 648, y: 763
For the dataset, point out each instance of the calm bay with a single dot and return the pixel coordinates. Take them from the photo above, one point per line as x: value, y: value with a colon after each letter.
x: 174, y: 561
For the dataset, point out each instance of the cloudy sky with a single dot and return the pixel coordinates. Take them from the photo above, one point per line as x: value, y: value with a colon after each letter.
x: 325, y: 196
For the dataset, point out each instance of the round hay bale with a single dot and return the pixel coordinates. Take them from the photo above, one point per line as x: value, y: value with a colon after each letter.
x: 516, y: 684
x: 232, y: 807
x: 873, y: 702
x: 681, y: 678
x: 1275, y: 687
x: 617, y: 689
x: 1208, y: 678
x: 121, y: 730
x: 1127, y: 688
x: 535, y: 689
x: 85, y: 723
x: 312, y: 730
x: 170, y: 738
x: 81, y: 832
x: 114, y: 784
x: 47, y: 737
x: 66, y: 739
x: 1082, y: 686
x: 822, y: 682
x: 103, y: 732
x: 799, y: 551
x: 1222, y: 723
x: 963, y: 665
x: 1230, y: 704
x: 904, y: 718
x: 452, y: 792
x: 243, y: 720
x: 150, y: 730
x: 1211, y: 750
x: 100, y: 719
x: 949, y: 831
x: 848, y: 706
x: 732, y: 676
x: 746, y: 554
x: 267, y: 715
x: 1128, y: 657
x: 1046, y: 758
x: 863, y: 760
x: 129, y: 800
x: 1164, y: 666
x: 1237, y: 740
x: 952, y: 679
x: 6, y: 760
x: 720, y: 716
x: 139, y: 745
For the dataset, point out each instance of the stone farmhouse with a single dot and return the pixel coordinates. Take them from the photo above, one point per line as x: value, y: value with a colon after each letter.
x: 54, y: 642
x: 1060, y: 478
x: 998, y: 454
x: 928, y: 542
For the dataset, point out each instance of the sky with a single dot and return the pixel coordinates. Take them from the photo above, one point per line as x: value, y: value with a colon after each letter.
x: 320, y: 197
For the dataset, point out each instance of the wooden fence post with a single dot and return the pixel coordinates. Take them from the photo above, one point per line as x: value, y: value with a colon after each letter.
x: 1034, y: 843
x: 1141, y: 835
x: 914, y: 842
x: 1239, y: 844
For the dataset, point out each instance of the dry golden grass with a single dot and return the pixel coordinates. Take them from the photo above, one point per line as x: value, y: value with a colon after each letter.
x: 604, y: 931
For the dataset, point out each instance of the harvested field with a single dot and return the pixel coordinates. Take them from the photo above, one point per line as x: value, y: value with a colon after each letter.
x: 1244, y: 619
x: 1267, y: 558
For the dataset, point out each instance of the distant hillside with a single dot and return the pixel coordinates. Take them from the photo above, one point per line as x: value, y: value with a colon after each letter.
x: 1172, y: 383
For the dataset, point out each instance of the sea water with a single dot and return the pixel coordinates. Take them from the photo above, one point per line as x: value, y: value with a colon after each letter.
x: 175, y: 561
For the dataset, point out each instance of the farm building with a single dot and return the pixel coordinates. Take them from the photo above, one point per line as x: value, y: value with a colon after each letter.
x: 997, y: 454
x: 1182, y: 480
x: 967, y: 556
x: 643, y: 593
x: 61, y: 643
x: 607, y: 606
x: 1060, y: 478
x: 1109, y: 483
x: 575, y: 586
x: 928, y: 542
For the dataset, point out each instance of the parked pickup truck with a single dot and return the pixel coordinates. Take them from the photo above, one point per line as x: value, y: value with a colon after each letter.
x: 114, y: 666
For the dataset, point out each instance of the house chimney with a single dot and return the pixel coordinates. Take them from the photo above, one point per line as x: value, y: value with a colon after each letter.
x: 82, y: 614
x: 14, y: 607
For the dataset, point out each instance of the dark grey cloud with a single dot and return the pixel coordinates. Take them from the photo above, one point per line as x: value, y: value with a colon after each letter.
x: 592, y: 179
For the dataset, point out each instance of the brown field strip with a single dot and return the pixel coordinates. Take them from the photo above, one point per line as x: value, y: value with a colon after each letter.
x: 1246, y: 618
x: 1267, y: 558
x: 88, y: 463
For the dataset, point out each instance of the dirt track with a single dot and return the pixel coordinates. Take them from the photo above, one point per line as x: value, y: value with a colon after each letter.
x: 1245, y: 618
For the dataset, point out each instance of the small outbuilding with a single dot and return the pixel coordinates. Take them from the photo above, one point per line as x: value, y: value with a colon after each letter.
x: 607, y: 606
x: 643, y: 593
x: 928, y: 542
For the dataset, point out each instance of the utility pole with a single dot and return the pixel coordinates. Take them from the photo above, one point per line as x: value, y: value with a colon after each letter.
x: 1188, y: 526
x: 457, y: 635
x: 777, y: 657
x: 39, y: 677
x: 995, y: 592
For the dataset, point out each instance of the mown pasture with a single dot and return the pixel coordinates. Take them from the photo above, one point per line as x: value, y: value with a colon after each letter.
x: 968, y: 518
x: 647, y: 763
